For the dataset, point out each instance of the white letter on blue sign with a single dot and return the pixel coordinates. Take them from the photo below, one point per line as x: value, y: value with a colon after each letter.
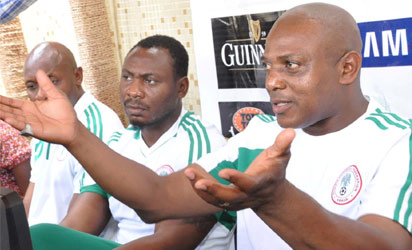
x: 370, y: 38
x: 401, y: 41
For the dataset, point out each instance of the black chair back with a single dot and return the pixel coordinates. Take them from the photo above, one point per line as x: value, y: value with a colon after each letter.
x: 14, y: 229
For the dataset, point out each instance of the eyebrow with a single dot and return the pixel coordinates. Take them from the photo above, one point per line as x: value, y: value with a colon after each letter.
x: 140, y: 75
x: 282, y: 57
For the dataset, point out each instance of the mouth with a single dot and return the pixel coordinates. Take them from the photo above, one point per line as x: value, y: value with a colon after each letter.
x: 280, y: 107
x: 135, y: 108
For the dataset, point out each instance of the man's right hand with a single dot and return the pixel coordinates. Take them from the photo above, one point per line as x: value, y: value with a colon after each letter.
x: 52, y: 119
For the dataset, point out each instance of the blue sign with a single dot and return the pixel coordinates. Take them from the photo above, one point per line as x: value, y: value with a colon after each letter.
x: 387, y: 43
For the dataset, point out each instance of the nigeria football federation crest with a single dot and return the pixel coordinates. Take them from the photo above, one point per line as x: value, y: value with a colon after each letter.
x: 347, y: 186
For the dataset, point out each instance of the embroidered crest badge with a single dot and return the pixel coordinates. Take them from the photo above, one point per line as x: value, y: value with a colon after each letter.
x: 164, y: 170
x: 347, y: 186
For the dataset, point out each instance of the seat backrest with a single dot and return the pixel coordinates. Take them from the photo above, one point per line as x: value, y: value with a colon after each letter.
x: 14, y: 228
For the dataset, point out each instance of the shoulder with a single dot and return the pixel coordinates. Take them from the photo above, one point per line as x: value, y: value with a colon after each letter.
x: 193, y: 125
x: 386, y: 123
x: 97, y: 117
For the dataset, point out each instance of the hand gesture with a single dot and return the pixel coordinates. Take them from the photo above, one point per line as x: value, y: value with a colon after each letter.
x: 52, y: 119
x: 261, y: 183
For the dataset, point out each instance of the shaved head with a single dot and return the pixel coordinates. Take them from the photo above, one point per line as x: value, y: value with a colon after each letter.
x: 54, y: 52
x: 58, y: 62
x: 336, y: 27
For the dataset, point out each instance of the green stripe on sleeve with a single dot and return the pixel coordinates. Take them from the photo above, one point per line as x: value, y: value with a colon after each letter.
x: 389, y: 121
x: 99, y: 115
x: 377, y: 122
x: 199, y: 140
x: 94, y: 131
x: 402, y: 194
x: 395, y: 116
x: 94, y: 189
x: 48, y: 151
x: 87, y: 118
x: 189, y: 132
x: 205, y: 136
x: 38, y: 154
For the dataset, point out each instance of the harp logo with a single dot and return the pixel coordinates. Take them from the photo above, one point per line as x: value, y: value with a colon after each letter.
x: 255, y: 29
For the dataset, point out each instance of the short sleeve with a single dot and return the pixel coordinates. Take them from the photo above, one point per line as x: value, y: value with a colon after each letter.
x: 87, y: 184
x: 390, y: 191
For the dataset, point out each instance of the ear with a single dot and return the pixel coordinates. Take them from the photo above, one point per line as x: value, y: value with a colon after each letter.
x: 350, y: 65
x: 78, y: 74
x: 183, y: 86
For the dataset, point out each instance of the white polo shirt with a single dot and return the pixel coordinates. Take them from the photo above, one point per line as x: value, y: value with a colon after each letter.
x: 55, y: 172
x: 188, y: 139
x: 362, y: 169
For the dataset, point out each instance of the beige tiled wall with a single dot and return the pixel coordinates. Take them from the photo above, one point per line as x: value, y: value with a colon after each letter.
x: 130, y: 21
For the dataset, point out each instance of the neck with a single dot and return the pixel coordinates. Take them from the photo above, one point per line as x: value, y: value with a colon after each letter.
x: 349, y: 112
x: 152, y: 132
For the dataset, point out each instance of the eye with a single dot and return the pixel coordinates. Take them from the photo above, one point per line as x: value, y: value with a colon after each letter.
x: 149, y: 81
x: 292, y: 65
x: 54, y: 81
x: 31, y: 86
x: 126, y: 77
x: 266, y: 65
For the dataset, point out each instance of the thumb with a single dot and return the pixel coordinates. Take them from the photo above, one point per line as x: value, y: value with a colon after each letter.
x: 282, y: 143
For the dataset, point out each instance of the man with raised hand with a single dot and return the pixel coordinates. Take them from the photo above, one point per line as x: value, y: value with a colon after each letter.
x: 56, y: 174
x: 347, y: 183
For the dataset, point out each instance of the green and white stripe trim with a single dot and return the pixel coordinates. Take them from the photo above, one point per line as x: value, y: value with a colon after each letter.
x: 266, y: 118
x: 94, y: 120
x: 403, y: 209
x: 114, y: 137
x: 199, y: 139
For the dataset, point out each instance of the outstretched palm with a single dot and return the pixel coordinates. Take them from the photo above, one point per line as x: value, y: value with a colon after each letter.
x: 261, y: 182
x: 52, y: 119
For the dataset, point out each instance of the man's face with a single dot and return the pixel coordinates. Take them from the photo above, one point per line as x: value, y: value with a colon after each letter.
x: 61, y: 74
x: 301, y: 80
x: 148, y: 87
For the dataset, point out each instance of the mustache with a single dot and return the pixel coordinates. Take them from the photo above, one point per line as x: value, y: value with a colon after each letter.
x: 136, y: 103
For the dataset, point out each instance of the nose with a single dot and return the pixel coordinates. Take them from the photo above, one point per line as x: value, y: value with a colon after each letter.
x: 274, y: 81
x: 40, y: 95
x: 135, y: 89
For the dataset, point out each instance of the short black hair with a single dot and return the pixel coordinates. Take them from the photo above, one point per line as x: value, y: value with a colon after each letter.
x: 176, y: 51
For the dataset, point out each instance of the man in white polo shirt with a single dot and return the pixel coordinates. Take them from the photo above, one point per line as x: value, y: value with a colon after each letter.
x: 164, y: 136
x: 56, y: 174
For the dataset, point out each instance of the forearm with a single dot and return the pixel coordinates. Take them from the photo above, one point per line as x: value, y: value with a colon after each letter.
x: 88, y: 212
x: 178, y: 234
x: 109, y: 169
x: 304, y: 224
x: 153, y: 197
x: 27, y: 198
x: 22, y: 175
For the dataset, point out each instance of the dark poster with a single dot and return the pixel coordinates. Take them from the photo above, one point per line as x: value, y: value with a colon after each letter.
x: 239, y: 43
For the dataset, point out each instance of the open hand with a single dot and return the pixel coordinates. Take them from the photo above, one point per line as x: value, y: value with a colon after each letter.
x: 52, y: 119
x: 262, y: 182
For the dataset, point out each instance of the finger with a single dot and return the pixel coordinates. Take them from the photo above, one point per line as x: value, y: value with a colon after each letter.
x: 9, y: 102
x: 243, y: 181
x: 47, y: 86
x: 17, y: 124
x: 220, y: 192
x: 9, y: 115
x: 208, y: 188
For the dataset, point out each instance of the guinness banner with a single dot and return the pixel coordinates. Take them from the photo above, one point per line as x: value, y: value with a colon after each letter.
x: 230, y: 39
x: 239, y: 43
